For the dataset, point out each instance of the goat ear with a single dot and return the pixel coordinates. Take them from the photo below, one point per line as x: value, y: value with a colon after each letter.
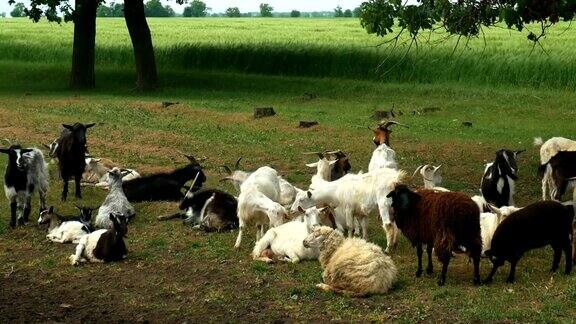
x: 312, y: 165
x: 518, y: 152
x: 309, y: 194
x: 494, y: 209
x: 4, y: 151
x: 68, y: 127
x: 90, y: 125
x: 333, y: 162
x: 51, y: 210
x: 300, y: 209
x: 391, y: 194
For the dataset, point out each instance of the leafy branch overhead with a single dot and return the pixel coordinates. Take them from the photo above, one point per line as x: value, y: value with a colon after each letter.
x: 463, y: 17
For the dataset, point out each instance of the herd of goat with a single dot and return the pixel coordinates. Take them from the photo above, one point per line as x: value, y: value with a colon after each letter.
x: 327, y: 222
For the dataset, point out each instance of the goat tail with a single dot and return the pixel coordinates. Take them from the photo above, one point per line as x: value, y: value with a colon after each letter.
x: 263, y: 243
x: 538, y: 141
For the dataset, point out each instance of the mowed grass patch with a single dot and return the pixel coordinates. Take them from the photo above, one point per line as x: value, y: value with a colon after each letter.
x: 175, y: 273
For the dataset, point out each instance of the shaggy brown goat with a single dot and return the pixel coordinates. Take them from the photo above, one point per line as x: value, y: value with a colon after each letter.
x: 445, y: 221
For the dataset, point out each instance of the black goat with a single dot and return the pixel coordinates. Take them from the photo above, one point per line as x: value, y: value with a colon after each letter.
x: 71, y: 153
x: 164, y: 186
x: 26, y: 171
x: 534, y: 226
x: 499, y: 178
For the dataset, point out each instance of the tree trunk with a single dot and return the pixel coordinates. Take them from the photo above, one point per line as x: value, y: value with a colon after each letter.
x: 82, y: 75
x: 147, y: 77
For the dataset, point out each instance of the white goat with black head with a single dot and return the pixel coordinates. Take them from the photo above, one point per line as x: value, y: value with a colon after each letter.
x: 498, y: 182
x: 115, y: 203
x: 26, y: 172
x: 62, y: 230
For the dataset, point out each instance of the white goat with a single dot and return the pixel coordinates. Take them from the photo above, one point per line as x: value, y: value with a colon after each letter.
x: 431, y: 177
x: 490, y: 221
x: 115, y: 203
x: 360, y: 196
x: 258, y: 202
x: 285, y: 241
x: 547, y: 150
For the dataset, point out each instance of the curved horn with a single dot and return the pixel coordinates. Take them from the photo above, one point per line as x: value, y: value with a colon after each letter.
x: 437, y: 167
x: 390, y: 123
x: 193, y: 183
x: 337, y: 153
x: 417, y: 169
x: 237, y: 165
x: 191, y: 158
x: 226, y: 168
x: 8, y: 141
x: 226, y: 179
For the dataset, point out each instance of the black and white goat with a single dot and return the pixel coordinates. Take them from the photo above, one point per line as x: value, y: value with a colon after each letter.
x: 165, y: 186
x: 209, y: 209
x: 561, y: 170
x: 71, y: 153
x: 66, y: 230
x: 105, y: 245
x: 26, y: 171
x: 498, y: 182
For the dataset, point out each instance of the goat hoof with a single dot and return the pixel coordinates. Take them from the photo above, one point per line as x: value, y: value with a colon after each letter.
x: 418, y: 273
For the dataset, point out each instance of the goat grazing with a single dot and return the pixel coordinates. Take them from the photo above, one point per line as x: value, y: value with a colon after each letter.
x: 498, y: 181
x: 104, y: 245
x: 258, y: 202
x: 534, y: 226
x: 71, y: 152
x: 115, y: 202
x: 549, y: 149
x: 560, y: 171
x: 489, y: 222
x: 164, y: 186
x: 351, y: 266
x: 26, y: 171
x: 64, y: 231
x: 445, y: 221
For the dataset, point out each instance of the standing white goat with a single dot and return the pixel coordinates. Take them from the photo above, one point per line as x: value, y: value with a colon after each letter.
x: 359, y: 197
x: 431, y: 176
x: 258, y: 202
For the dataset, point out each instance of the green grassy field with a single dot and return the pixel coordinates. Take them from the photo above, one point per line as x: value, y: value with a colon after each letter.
x: 174, y: 273
x: 309, y: 47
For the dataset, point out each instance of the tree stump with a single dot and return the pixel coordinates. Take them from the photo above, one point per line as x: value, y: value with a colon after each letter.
x: 166, y: 104
x: 264, y: 112
x: 307, y: 123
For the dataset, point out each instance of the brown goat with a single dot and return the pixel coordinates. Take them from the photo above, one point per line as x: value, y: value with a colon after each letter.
x: 445, y: 221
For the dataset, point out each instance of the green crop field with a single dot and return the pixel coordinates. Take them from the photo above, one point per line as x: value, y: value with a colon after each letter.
x: 218, y: 70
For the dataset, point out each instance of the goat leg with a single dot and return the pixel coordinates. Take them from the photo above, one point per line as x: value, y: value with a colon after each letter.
x: 27, y: 209
x: 430, y: 267
x: 77, y: 179
x: 65, y: 179
x: 419, y: 254
x: 13, y: 210
x: 512, y: 273
x: 568, y: 255
x: 556, y: 259
x: 490, y: 277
